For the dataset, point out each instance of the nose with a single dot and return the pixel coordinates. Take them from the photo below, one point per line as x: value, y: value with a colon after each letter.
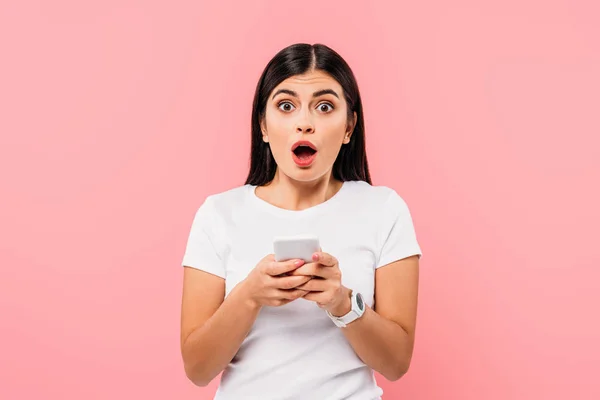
x: 304, y: 127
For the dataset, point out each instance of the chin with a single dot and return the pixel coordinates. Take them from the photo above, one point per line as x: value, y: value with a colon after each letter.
x: 309, y: 174
x: 304, y: 177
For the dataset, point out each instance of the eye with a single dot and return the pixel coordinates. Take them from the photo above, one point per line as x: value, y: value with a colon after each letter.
x: 323, y: 107
x: 283, y: 103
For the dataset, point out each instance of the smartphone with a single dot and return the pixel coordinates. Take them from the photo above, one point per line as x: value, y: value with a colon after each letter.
x: 295, y: 247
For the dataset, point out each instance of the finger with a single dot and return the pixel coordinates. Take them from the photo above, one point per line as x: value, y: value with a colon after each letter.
x: 315, y: 285
x: 324, y: 258
x: 290, y: 282
x: 292, y: 294
x: 315, y: 270
x: 269, y: 257
x: 308, y: 269
x: 321, y: 298
x: 275, y: 268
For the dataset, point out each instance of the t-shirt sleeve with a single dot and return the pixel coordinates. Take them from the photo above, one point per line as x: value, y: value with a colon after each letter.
x: 202, y: 249
x: 398, y: 237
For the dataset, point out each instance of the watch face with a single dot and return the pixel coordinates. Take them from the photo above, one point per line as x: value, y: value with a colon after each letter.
x: 359, y: 301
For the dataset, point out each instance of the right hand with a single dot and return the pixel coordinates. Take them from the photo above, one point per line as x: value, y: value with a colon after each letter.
x: 266, y: 285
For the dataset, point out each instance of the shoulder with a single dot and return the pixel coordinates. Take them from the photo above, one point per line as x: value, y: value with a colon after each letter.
x: 375, y: 196
x: 225, y: 201
x: 228, y: 197
x: 378, y: 203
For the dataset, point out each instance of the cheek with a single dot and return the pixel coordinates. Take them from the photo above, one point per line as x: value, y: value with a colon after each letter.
x: 331, y: 148
x: 333, y: 138
x: 279, y: 142
x: 278, y: 130
x: 276, y: 118
x: 334, y: 127
x: 279, y: 148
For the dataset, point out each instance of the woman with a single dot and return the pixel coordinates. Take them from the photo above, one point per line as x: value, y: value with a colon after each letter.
x: 297, y: 330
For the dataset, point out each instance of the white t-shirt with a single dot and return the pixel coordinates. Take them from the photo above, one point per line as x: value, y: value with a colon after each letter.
x: 295, y: 351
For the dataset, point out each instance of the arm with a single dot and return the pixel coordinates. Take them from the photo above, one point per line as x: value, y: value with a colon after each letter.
x: 384, y: 338
x: 212, y: 329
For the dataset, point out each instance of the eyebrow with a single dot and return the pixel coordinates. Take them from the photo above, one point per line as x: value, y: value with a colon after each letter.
x: 315, y: 94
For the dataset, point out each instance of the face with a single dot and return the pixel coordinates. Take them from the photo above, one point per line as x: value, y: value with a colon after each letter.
x: 306, y: 123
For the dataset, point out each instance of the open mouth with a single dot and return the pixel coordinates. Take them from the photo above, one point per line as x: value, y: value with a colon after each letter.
x: 304, y: 153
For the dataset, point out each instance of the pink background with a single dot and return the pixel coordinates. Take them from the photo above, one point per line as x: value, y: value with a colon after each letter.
x: 118, y: 117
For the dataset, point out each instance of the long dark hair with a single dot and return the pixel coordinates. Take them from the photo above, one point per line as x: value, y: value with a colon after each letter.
x: 351, y: 163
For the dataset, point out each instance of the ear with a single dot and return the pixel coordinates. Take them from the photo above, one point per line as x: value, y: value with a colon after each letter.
x: 263, y: 126
x: 263, y: 129
x: 350, y: 128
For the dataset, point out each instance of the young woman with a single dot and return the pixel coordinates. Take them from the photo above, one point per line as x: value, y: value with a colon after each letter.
x: 292, y: 329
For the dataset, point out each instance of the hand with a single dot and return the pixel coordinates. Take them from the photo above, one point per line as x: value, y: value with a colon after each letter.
x: 265, y: 285
x: 326, y: 288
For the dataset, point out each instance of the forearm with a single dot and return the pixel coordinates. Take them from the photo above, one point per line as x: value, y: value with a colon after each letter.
x: 380, y: 343
x: 209, y: 348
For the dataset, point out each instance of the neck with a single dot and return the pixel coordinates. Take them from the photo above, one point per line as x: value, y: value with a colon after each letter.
x: 290, y: 194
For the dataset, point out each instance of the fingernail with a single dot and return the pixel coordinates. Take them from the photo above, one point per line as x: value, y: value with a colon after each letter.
x: 315, y: 257
x: 298, y: 263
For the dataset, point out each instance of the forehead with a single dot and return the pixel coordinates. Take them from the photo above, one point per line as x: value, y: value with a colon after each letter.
x: 307, y: 83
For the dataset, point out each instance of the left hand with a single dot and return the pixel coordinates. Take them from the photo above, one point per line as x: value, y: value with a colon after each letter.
x: 326, y: 287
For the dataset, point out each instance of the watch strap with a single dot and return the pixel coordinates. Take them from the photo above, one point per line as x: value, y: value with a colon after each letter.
x: 354, y: 313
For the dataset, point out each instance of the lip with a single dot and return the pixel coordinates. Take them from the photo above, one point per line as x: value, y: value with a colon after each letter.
x: 304, y: 143
x: 304, y: 162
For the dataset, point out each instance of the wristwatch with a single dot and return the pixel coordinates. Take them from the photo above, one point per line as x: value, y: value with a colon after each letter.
x: 357, y: 311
